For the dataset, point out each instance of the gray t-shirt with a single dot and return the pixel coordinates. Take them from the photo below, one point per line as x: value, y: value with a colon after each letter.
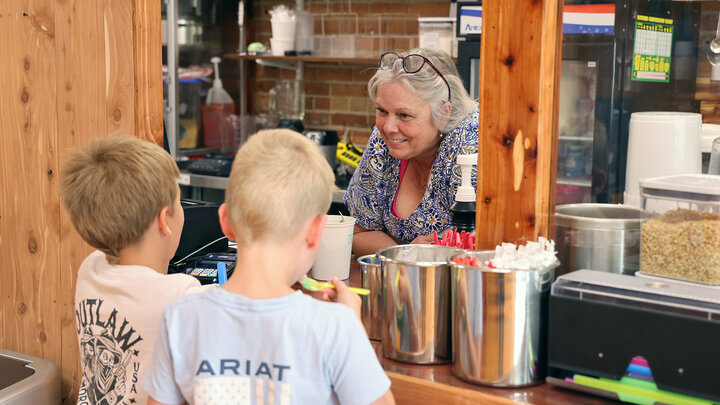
x: 219, y: 347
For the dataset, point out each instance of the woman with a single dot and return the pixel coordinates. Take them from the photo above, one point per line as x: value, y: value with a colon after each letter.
x: 405, y: 183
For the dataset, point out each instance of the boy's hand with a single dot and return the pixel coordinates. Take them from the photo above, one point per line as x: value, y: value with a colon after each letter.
x: 342, y: 294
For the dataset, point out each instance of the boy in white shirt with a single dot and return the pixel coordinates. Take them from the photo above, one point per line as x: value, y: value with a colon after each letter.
x: 255, y: 340
x: 122, y: 197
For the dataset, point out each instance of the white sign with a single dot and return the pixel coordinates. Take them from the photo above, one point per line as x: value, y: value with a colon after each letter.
x: 470, y: 20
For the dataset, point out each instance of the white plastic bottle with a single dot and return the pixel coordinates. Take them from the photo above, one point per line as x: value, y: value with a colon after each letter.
x: 217, y: 129
x: 463, y: 209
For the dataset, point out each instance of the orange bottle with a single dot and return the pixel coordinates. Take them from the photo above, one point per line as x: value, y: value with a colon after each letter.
x: 219, y: 106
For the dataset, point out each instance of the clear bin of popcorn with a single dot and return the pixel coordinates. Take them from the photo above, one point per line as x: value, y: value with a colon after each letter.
x: 680, y: 231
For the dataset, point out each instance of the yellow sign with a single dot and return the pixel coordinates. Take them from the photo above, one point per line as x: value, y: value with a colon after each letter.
x: 652, y: 49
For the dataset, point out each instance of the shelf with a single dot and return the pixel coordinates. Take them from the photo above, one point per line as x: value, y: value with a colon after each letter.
x: 218, y: 182
x: 573, y: 181
x: 200, y: 180
x: 576, y: 138
x: 364, y: 61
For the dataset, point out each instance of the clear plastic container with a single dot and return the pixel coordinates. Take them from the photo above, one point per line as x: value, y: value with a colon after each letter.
x: 437, y: 33
x: 680, y: 231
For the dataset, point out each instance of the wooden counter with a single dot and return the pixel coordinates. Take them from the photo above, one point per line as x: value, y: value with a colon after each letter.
x: 436, y: 384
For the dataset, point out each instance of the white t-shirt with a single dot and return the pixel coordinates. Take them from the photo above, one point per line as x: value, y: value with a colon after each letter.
x: 224, y: 348
x: 117, y: 313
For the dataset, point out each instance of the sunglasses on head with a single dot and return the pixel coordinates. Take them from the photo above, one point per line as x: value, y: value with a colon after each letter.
x: 410, y: 63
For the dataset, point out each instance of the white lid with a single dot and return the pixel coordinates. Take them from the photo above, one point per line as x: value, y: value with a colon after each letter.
x: 708, y: 184
x: 709, y: 133
x: 665, y: 116
x: 443, y: 20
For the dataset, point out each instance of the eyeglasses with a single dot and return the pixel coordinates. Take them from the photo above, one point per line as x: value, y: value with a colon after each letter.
x: 411, y: 64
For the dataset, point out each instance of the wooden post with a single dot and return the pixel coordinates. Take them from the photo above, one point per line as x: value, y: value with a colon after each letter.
x: 517, y: 146
x: 73, y: 71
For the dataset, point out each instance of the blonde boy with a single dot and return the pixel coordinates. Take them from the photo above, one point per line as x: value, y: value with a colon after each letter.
x: 122, y: 197
x: 263, y: 342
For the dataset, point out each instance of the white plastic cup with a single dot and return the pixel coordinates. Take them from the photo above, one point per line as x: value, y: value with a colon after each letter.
x: 335, y: 249
x: 279, y: 46
x: 283, y: 29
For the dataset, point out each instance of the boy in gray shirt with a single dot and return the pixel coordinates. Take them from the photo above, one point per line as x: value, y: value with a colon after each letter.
x: 255, y: 340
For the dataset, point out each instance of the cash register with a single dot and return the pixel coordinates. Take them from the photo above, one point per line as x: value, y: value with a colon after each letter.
x: 203, y: 246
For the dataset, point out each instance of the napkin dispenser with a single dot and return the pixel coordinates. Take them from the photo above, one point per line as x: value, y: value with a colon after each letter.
x: 599, y: 321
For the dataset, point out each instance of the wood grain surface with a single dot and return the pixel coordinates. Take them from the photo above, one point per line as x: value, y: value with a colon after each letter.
x: 147, y: 60
x: 519, y: 85
x: 29, y: 220
x: 72, y: 71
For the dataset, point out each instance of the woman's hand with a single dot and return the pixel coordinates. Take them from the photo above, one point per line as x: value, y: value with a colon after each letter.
x: 423, y: 239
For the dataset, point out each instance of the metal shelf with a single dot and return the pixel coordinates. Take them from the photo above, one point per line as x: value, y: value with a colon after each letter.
x: 574, y: 181
x: 200, y: 180
x: 576, y: 138
x: 220, y: 183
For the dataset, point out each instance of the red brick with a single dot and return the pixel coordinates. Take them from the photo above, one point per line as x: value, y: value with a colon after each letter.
x: 386, y: 8
x: 398, y: 43
x: 359, y: 137
x: 339, y: 7
x: 287, y: 74
x: 369, y: 25
x: 365, y: 44
x: 260, y: 86
x: 317, y: 88
x: 434, y: 9
x: 317, y: 8
x: 336, y: 73
x: 365, y: 74
x: 361, y: 105
x: 349, y: 119
x: 393, y: 26
x: 259, y: 103
x: 322, y: 103
x: 360, y: 9
x: 411, y: 27
x: 309, y: 103
x: 316, y: 119
x: 341, y: 89
x: 339, y: 103
x: 340, y: 25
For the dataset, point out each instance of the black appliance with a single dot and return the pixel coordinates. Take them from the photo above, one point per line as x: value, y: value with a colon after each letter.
x: 201, y: 233
x: 597, y: 90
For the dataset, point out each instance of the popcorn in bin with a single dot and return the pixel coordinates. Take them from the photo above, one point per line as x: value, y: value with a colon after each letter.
x: 680, y: 231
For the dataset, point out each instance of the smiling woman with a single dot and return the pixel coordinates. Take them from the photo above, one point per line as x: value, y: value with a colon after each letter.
x: 405, y: 183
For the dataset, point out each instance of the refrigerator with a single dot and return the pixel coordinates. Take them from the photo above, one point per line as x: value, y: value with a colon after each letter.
x: 599, y: 85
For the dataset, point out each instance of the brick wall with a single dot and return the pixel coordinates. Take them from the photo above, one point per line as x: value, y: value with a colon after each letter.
x: 336, y: 96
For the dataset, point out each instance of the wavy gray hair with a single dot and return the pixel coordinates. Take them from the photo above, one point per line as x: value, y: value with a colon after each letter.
x: 430, y: 87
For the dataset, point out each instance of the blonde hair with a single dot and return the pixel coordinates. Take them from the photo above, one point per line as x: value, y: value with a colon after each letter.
x: 113, y: 189
x: 427, y: 85
x: 279, y: 181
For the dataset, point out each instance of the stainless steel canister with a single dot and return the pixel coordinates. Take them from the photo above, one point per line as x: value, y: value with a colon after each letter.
x: 499, y: 322
x: 604, y: 237
x: 416, y: 303
x: 371, y: 307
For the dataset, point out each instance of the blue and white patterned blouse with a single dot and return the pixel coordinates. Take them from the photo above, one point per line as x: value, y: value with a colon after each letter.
x: 371, y: 191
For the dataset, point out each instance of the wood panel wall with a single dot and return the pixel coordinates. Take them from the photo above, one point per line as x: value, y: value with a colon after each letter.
x: 517, y: 146
x: 72, y: 71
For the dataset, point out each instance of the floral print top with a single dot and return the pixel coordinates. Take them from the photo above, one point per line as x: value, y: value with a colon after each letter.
x: 372, y: 189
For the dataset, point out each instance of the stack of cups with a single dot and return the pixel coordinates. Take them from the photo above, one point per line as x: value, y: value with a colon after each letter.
x: 283, y: 34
